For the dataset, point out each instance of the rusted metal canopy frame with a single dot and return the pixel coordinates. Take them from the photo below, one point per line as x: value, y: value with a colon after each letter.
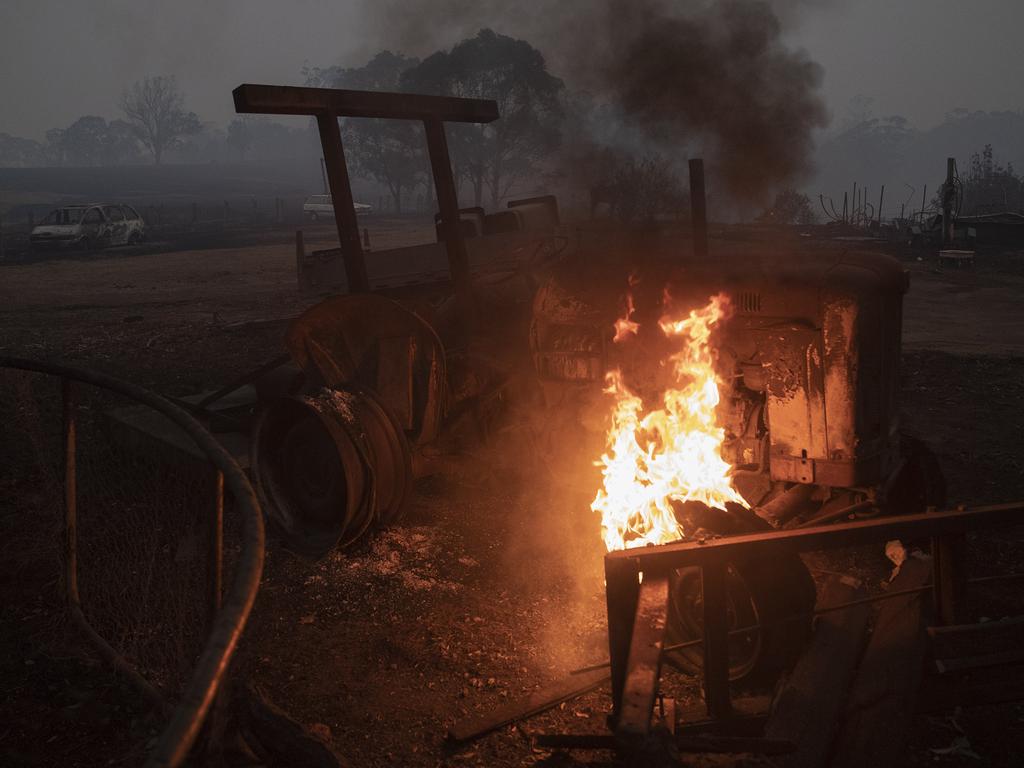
x: 327, y: 105
x: 227, y: 619
x: 633, y: 631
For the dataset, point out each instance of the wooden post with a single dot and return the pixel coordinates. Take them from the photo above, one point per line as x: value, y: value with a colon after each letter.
x: 881, y: 198
x: 924, y: 196
x: 949, y: 554
x: 300, y: 257
x: 448, y: 202
x: 344, y: 206
x: 366, y: 238
x: 716, y: 641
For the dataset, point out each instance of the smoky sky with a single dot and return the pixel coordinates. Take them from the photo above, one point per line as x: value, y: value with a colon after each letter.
x: 60, y: 60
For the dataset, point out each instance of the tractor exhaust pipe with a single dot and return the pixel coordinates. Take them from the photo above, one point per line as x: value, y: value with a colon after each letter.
x: 698, y: 209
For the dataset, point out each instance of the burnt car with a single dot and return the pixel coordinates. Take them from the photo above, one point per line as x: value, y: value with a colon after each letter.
x: 89, y: 227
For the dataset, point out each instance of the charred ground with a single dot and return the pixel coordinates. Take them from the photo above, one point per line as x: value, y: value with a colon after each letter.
x: 490, y: 586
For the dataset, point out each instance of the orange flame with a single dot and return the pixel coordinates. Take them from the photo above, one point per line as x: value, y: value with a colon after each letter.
x: 625, y: 326
x: 671, y: 453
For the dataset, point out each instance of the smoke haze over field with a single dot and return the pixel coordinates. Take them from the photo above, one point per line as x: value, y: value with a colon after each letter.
x: 60, y: 60
x: 916, y: 58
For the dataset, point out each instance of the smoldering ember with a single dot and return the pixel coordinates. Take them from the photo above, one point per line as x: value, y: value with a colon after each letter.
x: 578, y: 383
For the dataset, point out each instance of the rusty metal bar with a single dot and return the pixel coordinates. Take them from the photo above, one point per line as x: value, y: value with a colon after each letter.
x: 70, y: 439
x: 643, y: 668
x: 622, y: 590
x: 774, y: 543
x: 215, y: 547
x: 344, y: 205
x: 716, y: 640
x: 291, y: 100
x: 448, y: 202
x: 180, y: 734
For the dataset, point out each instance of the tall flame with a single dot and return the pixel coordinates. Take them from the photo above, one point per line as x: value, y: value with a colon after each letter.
x: 672, y: 453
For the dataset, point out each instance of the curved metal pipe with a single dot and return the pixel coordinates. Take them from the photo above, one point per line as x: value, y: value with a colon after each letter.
x: 180, y: 733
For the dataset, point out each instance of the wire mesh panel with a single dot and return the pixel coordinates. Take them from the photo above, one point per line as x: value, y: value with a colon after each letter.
x: 144, y: 512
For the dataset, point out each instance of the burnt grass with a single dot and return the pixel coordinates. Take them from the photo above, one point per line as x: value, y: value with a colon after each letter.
x: 490, y: 587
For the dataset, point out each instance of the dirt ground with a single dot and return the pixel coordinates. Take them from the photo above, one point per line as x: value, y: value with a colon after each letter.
x: 492, y: 584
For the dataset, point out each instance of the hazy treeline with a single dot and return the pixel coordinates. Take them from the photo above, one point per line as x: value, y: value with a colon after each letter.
x: 872, y: 151
x: 552, y: 137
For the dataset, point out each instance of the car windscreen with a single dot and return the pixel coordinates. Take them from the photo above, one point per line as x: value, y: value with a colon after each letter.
x: 64, y: 216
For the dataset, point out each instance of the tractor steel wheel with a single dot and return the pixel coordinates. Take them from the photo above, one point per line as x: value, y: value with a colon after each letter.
x: 776, y: 596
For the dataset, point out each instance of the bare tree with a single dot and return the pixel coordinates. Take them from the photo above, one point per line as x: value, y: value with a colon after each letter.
x: 155, y: 108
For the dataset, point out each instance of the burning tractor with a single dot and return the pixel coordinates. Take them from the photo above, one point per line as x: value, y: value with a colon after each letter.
x: 747, y: 391
x: 704, y: 396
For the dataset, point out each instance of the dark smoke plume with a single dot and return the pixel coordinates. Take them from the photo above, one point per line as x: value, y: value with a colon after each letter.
x: 722, y: 74
x: 713, y: 76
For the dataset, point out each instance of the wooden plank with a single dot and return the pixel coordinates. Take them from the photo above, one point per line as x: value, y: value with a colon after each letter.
x: 807, y: 707
x: 716, y: 641
x: 539, y: 701
x: 292, y: 100
x: 881, y: 701
x: 643, y: 669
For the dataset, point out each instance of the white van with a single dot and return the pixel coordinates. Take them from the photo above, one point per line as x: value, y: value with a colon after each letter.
x: 320, y: 207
